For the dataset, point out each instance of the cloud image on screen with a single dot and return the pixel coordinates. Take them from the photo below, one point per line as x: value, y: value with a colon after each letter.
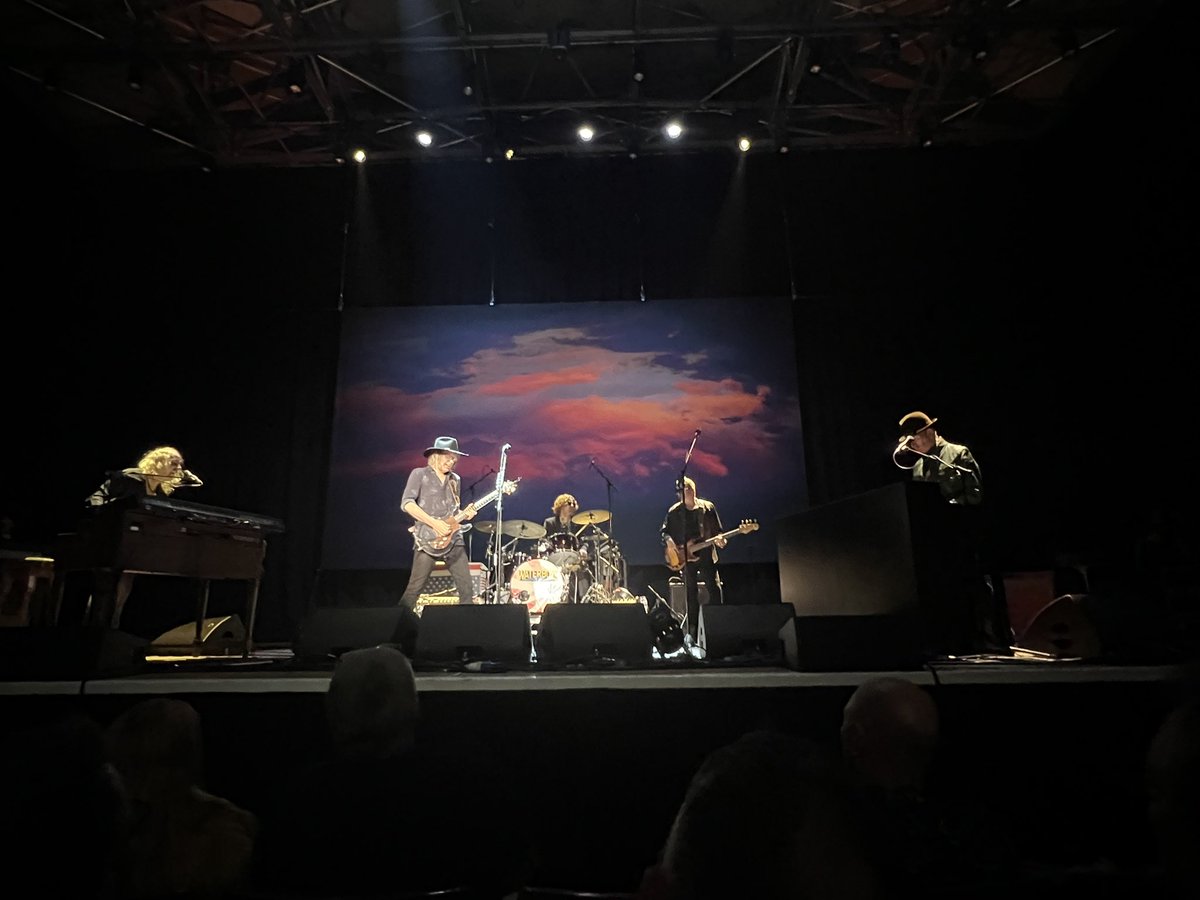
x: 599, y: 400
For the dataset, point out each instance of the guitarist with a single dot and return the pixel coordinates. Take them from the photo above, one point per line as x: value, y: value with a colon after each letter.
x: 431, y: 497
x: 692, y: 519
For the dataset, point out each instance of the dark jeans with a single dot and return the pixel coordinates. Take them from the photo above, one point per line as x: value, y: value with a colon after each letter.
x: 422, y: 568
x: 703, y: 571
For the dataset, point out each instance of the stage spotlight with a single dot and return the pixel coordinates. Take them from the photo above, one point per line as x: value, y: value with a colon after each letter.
x: 673, y: 130
x: 359, y: 155
x: 424, y: 138
x: 744, y: 144
x: 586, y: 133
x: 510, y: 153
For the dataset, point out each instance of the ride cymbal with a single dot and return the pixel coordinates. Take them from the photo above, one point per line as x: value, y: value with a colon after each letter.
x: 591, y: 516
x: 523, y: 528
x: 485, y: 527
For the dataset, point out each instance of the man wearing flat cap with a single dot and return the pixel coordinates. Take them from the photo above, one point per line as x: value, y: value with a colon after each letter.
x: 431, y: 497
x: 933, y: 458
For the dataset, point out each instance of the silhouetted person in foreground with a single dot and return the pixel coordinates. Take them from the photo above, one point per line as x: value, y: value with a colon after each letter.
x: 764, y: 817
x: 64, y: 816
x: 183, y: 841
x: 1173, y: 800
x: 924, y: 843
x: 378, y: 816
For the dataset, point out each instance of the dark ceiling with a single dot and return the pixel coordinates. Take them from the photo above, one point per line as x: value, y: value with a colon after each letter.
x: 285, y: 83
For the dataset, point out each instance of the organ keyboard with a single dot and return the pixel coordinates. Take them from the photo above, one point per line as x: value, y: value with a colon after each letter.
x: 163, y: 536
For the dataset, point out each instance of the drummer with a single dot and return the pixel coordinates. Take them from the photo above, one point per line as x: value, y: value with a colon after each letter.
x: 566, y: 551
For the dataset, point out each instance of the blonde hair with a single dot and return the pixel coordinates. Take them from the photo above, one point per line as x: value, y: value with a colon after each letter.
x: 689, y: 483
x: 159, y: 464
x: 563, y: 500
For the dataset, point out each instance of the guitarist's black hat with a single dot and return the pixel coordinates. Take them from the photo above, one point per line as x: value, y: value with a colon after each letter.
x: 449, y: 444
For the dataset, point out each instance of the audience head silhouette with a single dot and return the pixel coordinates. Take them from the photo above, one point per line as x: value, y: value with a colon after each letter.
x: 156, y: 746
x: 764, y: 817
x: 184, y: 841
x: 890, y: 733
x: 1173, y: 796
x: 371, y: 704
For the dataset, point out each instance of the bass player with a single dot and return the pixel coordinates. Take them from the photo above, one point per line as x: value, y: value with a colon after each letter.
x: 689, y: 521
x: 431, y: 497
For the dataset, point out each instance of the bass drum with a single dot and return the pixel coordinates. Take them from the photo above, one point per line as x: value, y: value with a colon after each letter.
x: 537, y: 583
x: 563, y: 550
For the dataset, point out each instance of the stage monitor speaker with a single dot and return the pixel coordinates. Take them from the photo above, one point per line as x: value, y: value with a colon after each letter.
x: 218, y: 635
x: 749, y: 630
x: 573, y: 633
x: 58, y: 653
x: 329, y: 631
x: 1061, y: 629
x: 463, y: 634
x: 857, y: 643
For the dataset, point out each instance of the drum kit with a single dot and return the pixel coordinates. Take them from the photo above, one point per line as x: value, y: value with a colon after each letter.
x: 567, y: 567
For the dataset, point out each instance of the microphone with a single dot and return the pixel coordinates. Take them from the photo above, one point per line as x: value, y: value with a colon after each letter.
x: 190, y: 479
x: 505, y: 448
x: 697, y: 432
x: 593, y: 462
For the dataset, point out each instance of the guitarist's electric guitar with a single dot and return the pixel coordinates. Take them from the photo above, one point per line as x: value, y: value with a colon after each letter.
x: 675, y: 560
x: 438, y: 545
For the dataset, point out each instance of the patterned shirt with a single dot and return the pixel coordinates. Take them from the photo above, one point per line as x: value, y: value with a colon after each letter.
x: 438, y: 500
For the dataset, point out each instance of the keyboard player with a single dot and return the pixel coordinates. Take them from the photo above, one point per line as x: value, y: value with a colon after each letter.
x: 158, y: 473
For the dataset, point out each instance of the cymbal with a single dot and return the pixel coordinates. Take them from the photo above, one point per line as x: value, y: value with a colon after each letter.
x: 523, y: 528
x: 485, y: 527
x: 590, y: 516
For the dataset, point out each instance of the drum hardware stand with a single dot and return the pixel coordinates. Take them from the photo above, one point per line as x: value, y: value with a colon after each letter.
x: 609, y: 488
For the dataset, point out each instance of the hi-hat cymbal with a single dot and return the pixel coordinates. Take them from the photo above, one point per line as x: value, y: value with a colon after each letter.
x: 485, y: 527
x: 523, y: 528
x: 590, y: 516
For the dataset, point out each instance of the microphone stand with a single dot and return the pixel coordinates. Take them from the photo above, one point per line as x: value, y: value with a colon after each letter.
x: 608, y: 493
x: 471, y: 488
x: 498, y: 559
x: 689, y: 577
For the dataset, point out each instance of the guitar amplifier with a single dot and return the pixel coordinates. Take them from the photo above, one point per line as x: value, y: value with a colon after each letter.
x: 440, y: 586
x: 678, y: 594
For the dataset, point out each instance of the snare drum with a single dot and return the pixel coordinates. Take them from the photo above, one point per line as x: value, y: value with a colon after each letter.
x: 562, y: 549
x: 539, y: 582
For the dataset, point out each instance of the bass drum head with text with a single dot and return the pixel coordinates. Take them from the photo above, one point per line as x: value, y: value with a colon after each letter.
x: 537, y: 582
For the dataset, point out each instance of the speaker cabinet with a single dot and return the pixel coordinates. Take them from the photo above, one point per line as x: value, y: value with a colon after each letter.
x: 860, y: 643
x: 54, y: 653
x: 458, y: 634
x: 1061, y: 629
x: 218, y: 635
x: 580, y: 633
x: 900, y: 550
x: 328, y: 632
x: 678, y: 593
x: 744, y: 630
x: 441, y: 582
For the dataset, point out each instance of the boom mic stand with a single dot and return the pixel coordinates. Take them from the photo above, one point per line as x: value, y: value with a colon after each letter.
x: 471, y: 533
x: 498, y: 558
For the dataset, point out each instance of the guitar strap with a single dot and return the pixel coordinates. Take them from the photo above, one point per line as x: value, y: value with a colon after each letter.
x: 454, y: 490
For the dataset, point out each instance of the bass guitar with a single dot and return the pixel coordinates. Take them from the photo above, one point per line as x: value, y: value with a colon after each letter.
x: 676, y: 560
x: 439, y: 544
